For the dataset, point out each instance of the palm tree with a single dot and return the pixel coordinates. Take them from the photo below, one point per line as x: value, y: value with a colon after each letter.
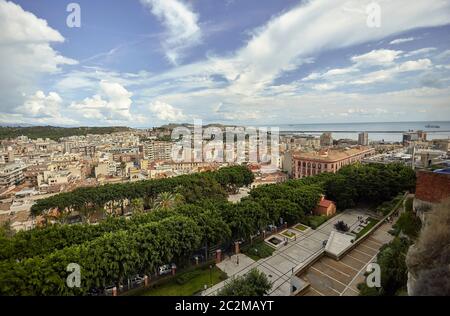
x: 137, y: 206
x: 167, y: 200
x: 122, y: 168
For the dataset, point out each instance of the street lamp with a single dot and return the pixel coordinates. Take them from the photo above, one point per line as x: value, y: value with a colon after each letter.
x: 210, y: 274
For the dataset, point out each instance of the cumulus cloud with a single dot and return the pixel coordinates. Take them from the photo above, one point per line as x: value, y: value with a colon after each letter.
x: 181, y: 24
x: 388, y: 74
x: 25, y: 52
x: 43, y: 109
x: 113, y: 103
x: 376, y: 57
x: 166, y: 112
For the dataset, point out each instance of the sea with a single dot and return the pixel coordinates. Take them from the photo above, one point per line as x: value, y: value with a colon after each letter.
x: 380, y: 131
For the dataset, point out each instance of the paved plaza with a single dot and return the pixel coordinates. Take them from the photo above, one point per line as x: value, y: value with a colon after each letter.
x: 340, y: 278
x: 280, y: 266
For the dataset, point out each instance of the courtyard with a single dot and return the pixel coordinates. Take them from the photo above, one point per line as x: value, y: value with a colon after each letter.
x: 328, y: 277
x: 287, y: 258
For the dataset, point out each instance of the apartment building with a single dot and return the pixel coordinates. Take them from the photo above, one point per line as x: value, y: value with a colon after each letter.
x: 331, y: 160
x: 11, y: 174
x: 363, y: 139
x: 326, y: 139
x: 158, y: 150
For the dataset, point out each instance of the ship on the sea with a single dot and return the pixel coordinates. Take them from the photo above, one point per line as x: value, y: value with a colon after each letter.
x: 432, y: 126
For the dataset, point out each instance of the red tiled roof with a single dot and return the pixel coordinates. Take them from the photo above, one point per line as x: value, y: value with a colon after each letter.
x: 325, y: 203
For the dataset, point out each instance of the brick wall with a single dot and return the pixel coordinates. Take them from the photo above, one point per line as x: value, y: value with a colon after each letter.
x: 432, y: 187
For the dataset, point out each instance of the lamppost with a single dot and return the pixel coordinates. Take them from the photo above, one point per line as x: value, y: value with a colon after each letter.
x: 210, y: 274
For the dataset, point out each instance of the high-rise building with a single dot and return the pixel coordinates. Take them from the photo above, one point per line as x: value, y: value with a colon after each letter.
x: 363, y: 139
x: 414, y: 137
x: 326, y: 139
x: 158, y: 150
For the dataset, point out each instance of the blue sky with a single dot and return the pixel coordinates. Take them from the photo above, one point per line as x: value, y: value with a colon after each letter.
x: 144, y: 63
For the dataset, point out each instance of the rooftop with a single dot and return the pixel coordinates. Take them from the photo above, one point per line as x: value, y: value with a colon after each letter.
x: 331, y: 154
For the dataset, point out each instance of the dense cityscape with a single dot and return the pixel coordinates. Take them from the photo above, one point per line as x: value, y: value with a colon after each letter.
x: 224, y: 156
x: 314, y: 199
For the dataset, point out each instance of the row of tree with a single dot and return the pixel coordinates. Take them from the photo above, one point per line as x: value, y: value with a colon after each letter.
x: 104, y: 261
x: 292, y: 201
x: 118, y: 248
x: 111, y: 197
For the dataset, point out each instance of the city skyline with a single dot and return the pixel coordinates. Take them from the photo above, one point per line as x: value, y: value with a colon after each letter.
x: 147, y: 63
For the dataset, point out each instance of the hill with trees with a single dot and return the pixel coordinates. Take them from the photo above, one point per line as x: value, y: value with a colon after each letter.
x: 55, y: 133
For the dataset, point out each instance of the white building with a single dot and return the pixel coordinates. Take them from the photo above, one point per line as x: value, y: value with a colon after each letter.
x: 11, y: 174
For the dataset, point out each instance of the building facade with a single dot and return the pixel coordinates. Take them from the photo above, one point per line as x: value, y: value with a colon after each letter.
x: 11, y: 174
x: 312, y: 163
x: 326, y: 139
x: 363, y: 139
x: 158, y: 150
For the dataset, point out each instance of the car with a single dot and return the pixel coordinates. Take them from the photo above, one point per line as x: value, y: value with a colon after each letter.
x: 95, y: 292
x: 109, y: 289
x: 165, y: 269
x: 199, y: 256
x: 137, y: 280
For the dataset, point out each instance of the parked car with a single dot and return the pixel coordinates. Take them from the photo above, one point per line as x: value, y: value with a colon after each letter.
x: 137, y: 280
x: 165, y: 269
x: 199, y: 256
x: 95, y: 292
x: 109, y: 289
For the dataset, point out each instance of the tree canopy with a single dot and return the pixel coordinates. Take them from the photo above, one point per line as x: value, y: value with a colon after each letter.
x: 34, y: 262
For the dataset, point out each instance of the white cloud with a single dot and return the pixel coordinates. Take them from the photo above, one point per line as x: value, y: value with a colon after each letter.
x: 181, y: 23
x: 321, y: 25
x: 388, y: 74
x: 40, y: 105
x: 166, y: 112
x: 339, y: 71
x: 44, y: 109
x: 402, y: 40
x: 421, y: 51
x: 413, y: 65
x: 25, y: 52
x: 376, y: 57
x: 112, y: 104
x: 292, y: 38
x: 323, y: 86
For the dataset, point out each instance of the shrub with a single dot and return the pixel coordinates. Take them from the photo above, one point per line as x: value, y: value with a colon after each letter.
x: 254, y: 283
x: 409, y: 204
x: 341, y: 226
x: 409, y: 224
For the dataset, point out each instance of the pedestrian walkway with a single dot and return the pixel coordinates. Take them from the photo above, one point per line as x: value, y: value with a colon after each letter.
x: 287, y: 259
x: 328, y: 277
